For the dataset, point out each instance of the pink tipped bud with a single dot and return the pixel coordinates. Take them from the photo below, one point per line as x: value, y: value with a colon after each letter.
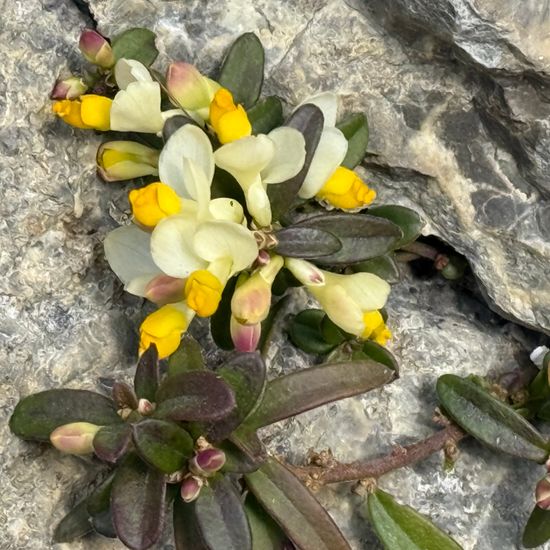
x: 164, y: 290
x: 76, y: 438
x: 245, y: 337
x: 145, y: 407
x: 189, y: 87
x: 96, y: 49
x: 263, y: 258
x: 70, y: 88
x: 542, y: 493
x: 207, y: 462
x: 191, y: 488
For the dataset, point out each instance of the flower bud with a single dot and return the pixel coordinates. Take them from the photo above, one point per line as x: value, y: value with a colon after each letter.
x: 96, y: 49
x: 207, y: 462
x: 163, y: 328
x: 69, y: 88
x: 75, y: 438
x: 191, y: 488
x: 203, y: 292
x: 542, y: 493
x: 230, y: 121
x: 125, y: 160
x: 305, y: 272
x: 145, y: 407
x: 245, y: 337
x: 164, y: 289
x: 154, y: 202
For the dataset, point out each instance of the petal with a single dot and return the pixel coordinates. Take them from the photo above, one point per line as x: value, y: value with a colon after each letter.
x: 190, y: 142
x: 257, y: 203
x: 137, y: 108
x: 130, y: 70
x: 290, y: 153
x: 366, y: 289
x: 216, y: 240
x: 328, y: 103
x: 245, y: 158
x: 197, y: 186
x: 188, y: 86
x: 340, y: 307
x: 329, y: 154
x: 225, y: 209
x: 172, y: 246
x: 128, y: 251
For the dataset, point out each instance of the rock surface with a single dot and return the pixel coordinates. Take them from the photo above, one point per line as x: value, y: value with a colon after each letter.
x: 457, y: 97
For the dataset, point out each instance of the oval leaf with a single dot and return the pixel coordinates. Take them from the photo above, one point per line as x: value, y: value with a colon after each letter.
x: 146, y: 379
x: 245, y: 373
x: 537, y: 529
x: 489, y: 420
x: 137, y: 503
x: 408, y: 220
x: 99, y: 508
x: 294, y: 508
x: 136, y: 43
x: 362, y: 236
x: 400, y: 527
x: 187, y: 357
x: 306, y: 242
x: 307, y: 119
x: 38, y: 415
x: 111, y: 442
x: 163, y: 445
x: 356, y: 130
x: 186, y: 532
x: 304, y: 390
x: 266, y: 115
x: 194, y: 396
x: 384, y: 266
x: 74, y: 525
x: 221, y: 518
x: 242, y: 72
x: 306, y: 332
x: 266, y: 534
x: 124, y: 396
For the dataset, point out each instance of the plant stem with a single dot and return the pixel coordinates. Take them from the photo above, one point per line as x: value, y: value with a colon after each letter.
x: 424, y: 250
x: 335, y: 472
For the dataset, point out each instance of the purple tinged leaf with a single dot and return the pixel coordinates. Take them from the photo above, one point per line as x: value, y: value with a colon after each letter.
x: 306, y: 242
x: 187, y: 357
x: 186, y: 532
x: 137, y: 503
x: 124, y: 396
x: 294, y: 508
x: 111, y: 442
x: 146, y: 380
x: 304, y: 390
x: 221, y: 518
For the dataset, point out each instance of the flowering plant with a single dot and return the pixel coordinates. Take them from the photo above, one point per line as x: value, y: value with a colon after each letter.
x: 243, y: 198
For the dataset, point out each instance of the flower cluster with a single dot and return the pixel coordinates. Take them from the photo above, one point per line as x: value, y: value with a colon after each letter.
x: 189, y: 236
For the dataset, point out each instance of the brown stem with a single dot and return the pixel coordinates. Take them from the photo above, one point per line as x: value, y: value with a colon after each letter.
x: 424, y: 250
x: 334, y: 472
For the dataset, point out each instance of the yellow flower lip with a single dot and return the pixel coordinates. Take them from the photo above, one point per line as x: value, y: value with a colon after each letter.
x: 345, y: 190
x: 375, y: 327
x: 229, y: 121
x: 89, y: 111
x: 203, y: 292
x: 163, y: 328
x: 152, y: 203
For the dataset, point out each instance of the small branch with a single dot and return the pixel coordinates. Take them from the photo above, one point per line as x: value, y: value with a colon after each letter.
x: 424, y: 250
x: 335, y: 472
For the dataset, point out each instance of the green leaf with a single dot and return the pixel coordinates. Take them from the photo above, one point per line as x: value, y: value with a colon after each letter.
x: 489, y: 420
x: 136, y: 43
x: 242, y: 72
x: 124, y: 396
x: 307, y: 119
x: 224, y: 185
x: 219, y: 322
x: 306, y: 242
x: 266, y: 534
x: 146, y: 379
x: 111, y: 442
x: 362, y: 236
x: 74, y: 525
x: 187, y: 357
x: 194, y: 396
x: 163, y: 445
x: 309, y: 388
x: 38, y: 415
x: 400, y: 527
x: 137, y: 502
x: 356, y: 130
x: 221, y: 518
x: 266, y: 115
x: 174, y: 123
x: 380, y: 354
x: 537, y: 529
x: 294, y: 508
x: 384, y: 266
x: 332, y: 333
x: 99, y: 508
x: 245, y: 373
x: 236, y: 460
x: 186, y: 532
x: 408, y: 220
x: 306, y: 332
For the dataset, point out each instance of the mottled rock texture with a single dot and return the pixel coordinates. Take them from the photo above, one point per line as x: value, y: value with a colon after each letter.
x: 458, y: 99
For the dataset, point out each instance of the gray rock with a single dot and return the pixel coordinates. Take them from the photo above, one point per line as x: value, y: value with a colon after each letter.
x: 459, y: 123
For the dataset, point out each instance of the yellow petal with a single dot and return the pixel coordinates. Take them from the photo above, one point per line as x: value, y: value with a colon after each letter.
x: 203, y: 292
x: 375, y: 328
x: 152, y: 203
x: 345, y: 190
x: 96, y: 111
x: 230, y: 121
x: 163, y: 328
x: 69, y: 111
